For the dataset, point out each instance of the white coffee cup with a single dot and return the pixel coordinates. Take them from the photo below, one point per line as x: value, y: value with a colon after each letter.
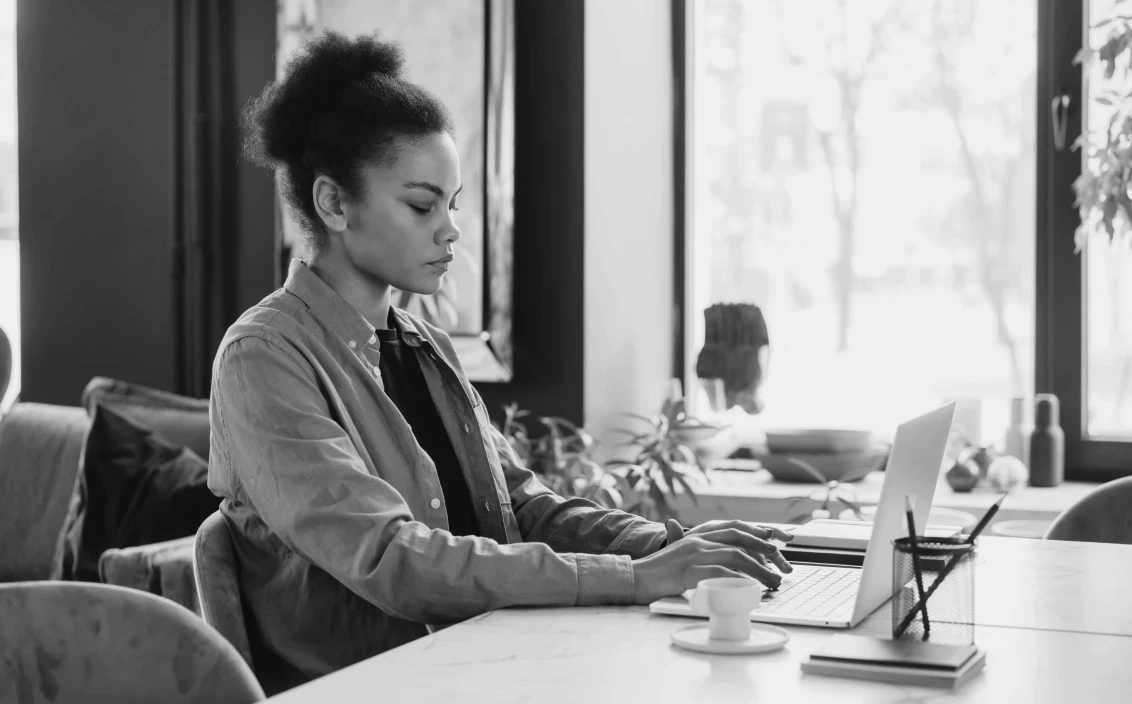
x: 728, y: 602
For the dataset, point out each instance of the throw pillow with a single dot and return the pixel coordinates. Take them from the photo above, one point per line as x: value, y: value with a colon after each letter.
x: 181, y: 421
x: 133, y: 489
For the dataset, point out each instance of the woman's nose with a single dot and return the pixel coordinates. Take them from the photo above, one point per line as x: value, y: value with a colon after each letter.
x: 449, y: 233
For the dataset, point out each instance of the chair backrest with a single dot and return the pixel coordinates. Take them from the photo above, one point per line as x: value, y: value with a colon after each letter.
x: 65, y: 642
x: 5, y: 363
x: 1104, y: 515
x: 40, y: 446
x: 218, y: 586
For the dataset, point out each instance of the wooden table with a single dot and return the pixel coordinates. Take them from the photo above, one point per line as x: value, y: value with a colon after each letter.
x: 1054, y: 618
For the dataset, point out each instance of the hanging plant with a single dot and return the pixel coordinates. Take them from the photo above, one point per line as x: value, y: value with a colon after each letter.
x: 1104, y: 188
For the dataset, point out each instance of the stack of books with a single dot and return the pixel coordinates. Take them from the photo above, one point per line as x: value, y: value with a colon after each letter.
x: 903, y: 662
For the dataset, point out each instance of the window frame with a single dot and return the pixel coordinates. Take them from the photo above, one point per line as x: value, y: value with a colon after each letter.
x: 1059, y: 279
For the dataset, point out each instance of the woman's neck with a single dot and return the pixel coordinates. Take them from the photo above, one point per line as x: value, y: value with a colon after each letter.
x: 368, y: 297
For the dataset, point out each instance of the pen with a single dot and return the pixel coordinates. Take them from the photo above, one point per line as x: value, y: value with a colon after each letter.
x: 951, y: 564
x: 916, y: 565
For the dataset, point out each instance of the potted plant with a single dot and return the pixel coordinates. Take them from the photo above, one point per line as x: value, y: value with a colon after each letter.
x: 1104, y: 188
x: 832, y: 493
x: 560, y: 456
x: 664, y: 459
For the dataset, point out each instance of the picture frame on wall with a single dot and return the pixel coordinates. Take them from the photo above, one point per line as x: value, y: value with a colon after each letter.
x: 462, y: 51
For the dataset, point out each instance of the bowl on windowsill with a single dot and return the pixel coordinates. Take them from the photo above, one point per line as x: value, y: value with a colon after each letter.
x: 812, y: 441
x: 833, y: 466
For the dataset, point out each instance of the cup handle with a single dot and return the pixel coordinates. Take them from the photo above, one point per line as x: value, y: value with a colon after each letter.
x: 697, y: 598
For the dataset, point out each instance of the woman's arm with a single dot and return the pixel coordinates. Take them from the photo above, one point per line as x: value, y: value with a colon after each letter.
x: 283, y: 453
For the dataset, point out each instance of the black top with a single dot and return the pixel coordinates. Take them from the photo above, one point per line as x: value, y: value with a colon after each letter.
x: 406, y: 387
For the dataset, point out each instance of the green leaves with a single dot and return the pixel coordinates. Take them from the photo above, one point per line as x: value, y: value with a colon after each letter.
x: 1103, y: 189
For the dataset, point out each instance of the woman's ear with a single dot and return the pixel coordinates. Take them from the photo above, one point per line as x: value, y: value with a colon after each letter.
x: 329, y: 203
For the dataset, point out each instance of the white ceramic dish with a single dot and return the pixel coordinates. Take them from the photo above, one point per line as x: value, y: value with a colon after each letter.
x: 763, y: 639
x: 1021, y: 528
x: 939, y: 516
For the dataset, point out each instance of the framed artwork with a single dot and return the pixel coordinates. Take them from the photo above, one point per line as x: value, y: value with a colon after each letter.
x: 463, y: 52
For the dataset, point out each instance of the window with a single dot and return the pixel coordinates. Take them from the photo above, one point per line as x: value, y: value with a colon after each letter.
x: 868, y: 173
x: 9, y: 222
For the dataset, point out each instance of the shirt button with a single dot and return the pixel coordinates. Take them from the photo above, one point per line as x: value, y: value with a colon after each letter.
x: 435, y: 503
x: 353, y: 345
x: 377, y: 372
x: 487, y: 506
x: 372, y: 339
x: 467, y: 429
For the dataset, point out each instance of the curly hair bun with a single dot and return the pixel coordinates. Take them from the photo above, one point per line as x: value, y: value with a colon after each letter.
x: 331, y: 55
x: 342, y: 102
x: 315, y: 81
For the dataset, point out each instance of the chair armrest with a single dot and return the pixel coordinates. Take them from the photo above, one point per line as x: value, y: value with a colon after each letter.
x: 164, y: 569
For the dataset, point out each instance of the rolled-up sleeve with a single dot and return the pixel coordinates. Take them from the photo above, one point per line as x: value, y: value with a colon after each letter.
x: 286, y: 455
x: 572, y: 524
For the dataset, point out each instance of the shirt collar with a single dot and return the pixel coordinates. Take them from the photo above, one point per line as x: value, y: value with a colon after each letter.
x: 335, y: 312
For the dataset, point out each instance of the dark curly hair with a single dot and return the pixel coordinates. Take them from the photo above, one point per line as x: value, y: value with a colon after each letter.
x: 343, y: 103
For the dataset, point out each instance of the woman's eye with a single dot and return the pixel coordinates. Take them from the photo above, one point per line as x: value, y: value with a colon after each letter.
x: 422, y: 211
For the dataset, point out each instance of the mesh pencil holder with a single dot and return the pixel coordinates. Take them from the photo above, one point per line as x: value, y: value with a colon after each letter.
x: 951, y: 604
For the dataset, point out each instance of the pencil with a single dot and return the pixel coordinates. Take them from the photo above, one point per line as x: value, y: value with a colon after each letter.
x: 916, y: 565
x: 952, y: 563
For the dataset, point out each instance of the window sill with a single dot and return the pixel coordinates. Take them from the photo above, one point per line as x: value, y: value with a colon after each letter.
x: 756, y: 496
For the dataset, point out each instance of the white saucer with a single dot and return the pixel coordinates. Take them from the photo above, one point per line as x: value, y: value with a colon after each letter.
x: 763, y: 640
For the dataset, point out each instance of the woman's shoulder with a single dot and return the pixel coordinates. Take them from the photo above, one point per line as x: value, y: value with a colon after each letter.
x: 276, y: 321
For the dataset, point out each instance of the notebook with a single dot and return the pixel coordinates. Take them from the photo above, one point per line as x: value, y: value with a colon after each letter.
x: 850, y: 535
x: 904, y: 662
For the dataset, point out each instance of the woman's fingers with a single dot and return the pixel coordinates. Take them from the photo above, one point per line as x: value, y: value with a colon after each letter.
x: 759, y: 531
x: 701, y: 572
x: 737, y: 559
x: 757, y: 547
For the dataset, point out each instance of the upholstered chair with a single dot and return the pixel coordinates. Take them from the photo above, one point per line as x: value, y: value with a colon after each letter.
x: 218, y: 587
x: 1102, y: 516
x: 70, y: 642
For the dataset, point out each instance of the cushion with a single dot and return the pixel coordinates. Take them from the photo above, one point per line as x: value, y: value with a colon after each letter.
x: 40, y: 446
x: 180, y: 421
x: 133, y: 489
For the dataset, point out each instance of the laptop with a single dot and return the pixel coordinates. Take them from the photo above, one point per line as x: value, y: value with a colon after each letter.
x: 843, y: 596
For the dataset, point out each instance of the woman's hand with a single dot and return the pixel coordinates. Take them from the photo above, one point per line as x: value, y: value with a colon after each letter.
x: 709, y: 551
x: 749, y: 536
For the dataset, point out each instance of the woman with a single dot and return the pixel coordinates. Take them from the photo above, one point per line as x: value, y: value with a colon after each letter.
x: 368, y: 495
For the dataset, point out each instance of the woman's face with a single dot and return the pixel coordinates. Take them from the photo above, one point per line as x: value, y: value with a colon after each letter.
x: 401, y: 231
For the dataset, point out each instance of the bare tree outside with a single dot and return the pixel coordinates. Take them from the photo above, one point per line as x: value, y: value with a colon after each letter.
x: 864, y: 172
x: 983, y: 218
x: 848, y: 61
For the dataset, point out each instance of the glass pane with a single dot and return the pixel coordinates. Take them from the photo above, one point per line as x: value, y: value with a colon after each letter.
x: 1108, y: 268
x: 9, y: 222
x: 864, y: 172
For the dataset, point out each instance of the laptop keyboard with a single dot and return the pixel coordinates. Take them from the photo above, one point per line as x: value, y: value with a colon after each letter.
x: 813, y: 591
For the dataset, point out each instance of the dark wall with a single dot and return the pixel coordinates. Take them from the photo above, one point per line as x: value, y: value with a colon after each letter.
x: 549, y: 212
x: 103, y: 128
x: 94, y: 115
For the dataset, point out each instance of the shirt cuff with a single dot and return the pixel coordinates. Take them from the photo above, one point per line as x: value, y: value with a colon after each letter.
x: 604, y: 579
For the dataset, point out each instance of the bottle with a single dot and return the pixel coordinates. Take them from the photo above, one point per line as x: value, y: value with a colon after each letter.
x: 1047, y: 443
x: 1017, y: 441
